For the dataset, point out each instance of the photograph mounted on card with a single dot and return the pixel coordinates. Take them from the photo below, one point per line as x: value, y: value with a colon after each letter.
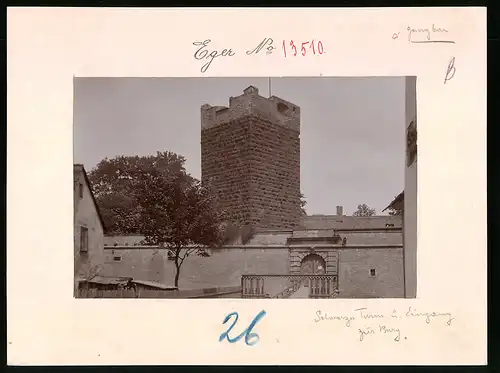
x: 281, y: 196
x: 248, y: 216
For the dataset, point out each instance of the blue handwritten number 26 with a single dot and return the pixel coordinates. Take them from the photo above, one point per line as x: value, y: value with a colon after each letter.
x: 247, y: 333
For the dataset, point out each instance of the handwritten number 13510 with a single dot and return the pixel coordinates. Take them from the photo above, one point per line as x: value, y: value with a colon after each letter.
x: 250, y: 338
x: 303, y: 48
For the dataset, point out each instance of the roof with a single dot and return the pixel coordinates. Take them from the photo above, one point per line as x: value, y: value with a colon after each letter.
x: 154, y: 285
x: 348, y: 223
x: 108, y: 280
x: 399, y: 198
x: 104, y: 280
x: 80, y: 168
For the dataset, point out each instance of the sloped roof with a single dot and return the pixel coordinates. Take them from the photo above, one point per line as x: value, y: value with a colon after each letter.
x: 79, y: 168
x: 399, y: 198
x: 102, y: 280
x: 154, y: 284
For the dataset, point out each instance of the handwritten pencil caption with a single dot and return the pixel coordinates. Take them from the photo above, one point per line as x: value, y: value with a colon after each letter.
x: 368, y: 324
x: 430, y: 35
x: 427, y: 35
x: 450, y: 71
x: 288, y: 48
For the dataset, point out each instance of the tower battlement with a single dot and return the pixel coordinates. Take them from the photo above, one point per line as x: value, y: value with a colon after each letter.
x: 250, y: 103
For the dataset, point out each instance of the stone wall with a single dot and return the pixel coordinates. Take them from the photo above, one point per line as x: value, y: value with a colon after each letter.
x: 222, y: 268
x: 356, y: 279
x: 275, y: 175
x: 225, y: 162
x: 389, y: 236
x: 251, y: 154
x: 394, y: 237
x: 225, y: 267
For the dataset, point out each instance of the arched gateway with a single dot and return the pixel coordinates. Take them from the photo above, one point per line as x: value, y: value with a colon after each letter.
x: 320, y: 285
x: 313, y: 264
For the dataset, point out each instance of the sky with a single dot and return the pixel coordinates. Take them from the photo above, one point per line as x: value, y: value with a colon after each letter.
x: 352, y: 129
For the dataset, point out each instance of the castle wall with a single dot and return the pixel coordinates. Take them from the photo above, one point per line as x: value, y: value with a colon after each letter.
x: 222, y: 268
x: 225, y: 267
x: 356, y: 281
x: 373, y: 238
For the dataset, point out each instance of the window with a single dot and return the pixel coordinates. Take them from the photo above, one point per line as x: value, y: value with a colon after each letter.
x: 80, y: 190
x: 389, y: 225
x: 170, y: 255
x: 84, y: 239
x: 372, y: 272
x: 117, y: 258
x: 282, y: 108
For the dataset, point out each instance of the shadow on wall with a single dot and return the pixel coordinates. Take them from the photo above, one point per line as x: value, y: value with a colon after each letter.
x: 223, y: 268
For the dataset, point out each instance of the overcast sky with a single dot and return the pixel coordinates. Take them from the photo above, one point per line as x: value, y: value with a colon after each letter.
x: 352, y: 129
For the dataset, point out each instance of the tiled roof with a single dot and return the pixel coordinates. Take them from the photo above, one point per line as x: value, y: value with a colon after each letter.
x: 319, y: 222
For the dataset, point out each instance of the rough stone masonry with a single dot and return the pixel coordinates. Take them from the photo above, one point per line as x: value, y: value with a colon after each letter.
x: 250, y: 152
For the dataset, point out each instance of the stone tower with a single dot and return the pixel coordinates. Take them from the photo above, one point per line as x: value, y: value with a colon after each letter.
x: 250, y: 152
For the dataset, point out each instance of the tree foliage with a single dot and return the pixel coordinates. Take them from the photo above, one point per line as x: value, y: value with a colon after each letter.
x: 112, y: 184
x: 397, y: 206
x: 154, y: 196
x: 393, y: 211
x: 177, y: 213
x: 303, y: 204
x: 364, y: 210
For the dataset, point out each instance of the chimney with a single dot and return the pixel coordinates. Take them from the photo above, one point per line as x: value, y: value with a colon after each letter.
x: 340, y: 211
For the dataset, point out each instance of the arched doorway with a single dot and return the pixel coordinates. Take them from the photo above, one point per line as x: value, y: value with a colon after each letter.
x: 313, y: 264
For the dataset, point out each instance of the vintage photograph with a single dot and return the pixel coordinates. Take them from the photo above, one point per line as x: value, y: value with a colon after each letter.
x: 269, y: 187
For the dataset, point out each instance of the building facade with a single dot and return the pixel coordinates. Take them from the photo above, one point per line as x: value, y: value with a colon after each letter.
x: 410, y: 193
x: 88, y: 227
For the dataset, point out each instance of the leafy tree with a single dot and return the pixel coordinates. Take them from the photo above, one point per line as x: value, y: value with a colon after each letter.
x: 303, y: 204
x: 112, y: 184
x: 364, y: 210
x: 176, y: 212
x: 393, y: 211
